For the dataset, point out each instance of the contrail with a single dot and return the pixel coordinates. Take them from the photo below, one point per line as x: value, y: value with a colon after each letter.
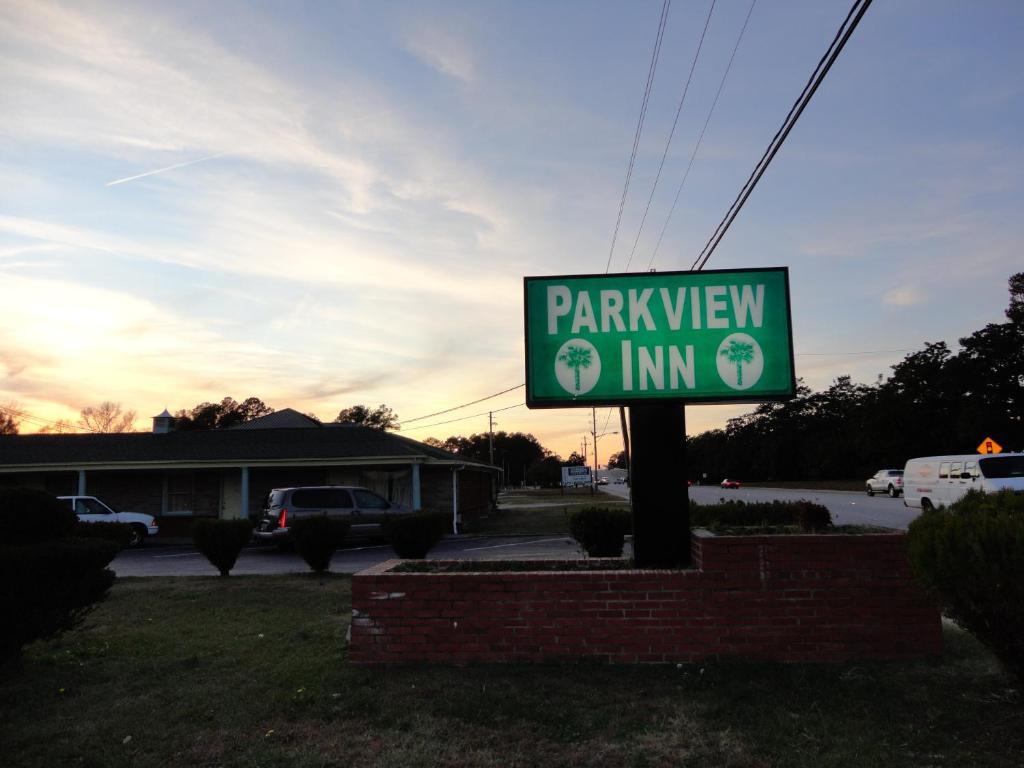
x: 168, y: 168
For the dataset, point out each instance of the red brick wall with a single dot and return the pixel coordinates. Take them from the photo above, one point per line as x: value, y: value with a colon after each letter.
x: 775, y: 598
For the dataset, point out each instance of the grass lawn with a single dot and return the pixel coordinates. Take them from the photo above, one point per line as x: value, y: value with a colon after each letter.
x: 542, y: 511
x: 252, y: 671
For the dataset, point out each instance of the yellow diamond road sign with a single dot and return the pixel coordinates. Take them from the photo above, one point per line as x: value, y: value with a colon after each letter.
x: 988, y: 445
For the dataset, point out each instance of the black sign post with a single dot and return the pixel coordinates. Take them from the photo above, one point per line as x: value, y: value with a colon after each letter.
x: 660, y: 497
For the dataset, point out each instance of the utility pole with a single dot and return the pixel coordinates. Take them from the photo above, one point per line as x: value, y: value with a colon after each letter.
x: 490, y: 433
x: 490, y: 443
x: 625, y: 441
x: 593, y: 425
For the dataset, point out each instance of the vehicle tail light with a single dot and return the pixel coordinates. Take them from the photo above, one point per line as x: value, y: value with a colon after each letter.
x: 282, y: 519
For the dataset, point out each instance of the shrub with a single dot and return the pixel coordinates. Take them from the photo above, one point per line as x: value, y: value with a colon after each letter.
x: 808, y: 515
x: 48, y: 581
x: 412, y: 536
x: 316, y: 538
x: 972, y: 556
x: 221, y: 541
x: 601, y: 531
x: 27, y: 514
x: 119, y: 533
x: 47, y: 587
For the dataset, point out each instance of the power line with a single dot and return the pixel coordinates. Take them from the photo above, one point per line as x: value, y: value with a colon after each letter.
x: 700, y: 137
x: 464, y: 405
x: 464, y: 418
x: 662, y: 21
x: 839, y: 354
x: 671, y: 134
x: 40, y: 421
x: 853, y: 18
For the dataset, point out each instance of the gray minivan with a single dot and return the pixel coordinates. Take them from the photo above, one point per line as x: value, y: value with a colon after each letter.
x: 364, y: 510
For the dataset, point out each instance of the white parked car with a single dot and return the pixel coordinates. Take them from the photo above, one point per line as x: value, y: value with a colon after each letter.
x: 91, y: 510
x: 886, y: 481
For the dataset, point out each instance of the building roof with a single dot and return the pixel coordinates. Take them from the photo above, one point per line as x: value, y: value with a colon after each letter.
x: 221, y: 447
x: 283, y: 419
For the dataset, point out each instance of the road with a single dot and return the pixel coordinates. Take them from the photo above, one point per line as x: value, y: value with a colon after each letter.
x: 847, y: 507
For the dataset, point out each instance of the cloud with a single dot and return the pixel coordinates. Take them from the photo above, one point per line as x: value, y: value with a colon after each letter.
x: 906, y: 296
x: 441, y: 51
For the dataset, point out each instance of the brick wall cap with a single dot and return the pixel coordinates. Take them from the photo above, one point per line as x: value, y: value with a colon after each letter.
x: 386, y: 569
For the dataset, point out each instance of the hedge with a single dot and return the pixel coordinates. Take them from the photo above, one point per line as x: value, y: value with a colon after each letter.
x: 48, y: 579
x: 221, y: 541
x: 972, y: 556
x: 805, y: 514
x: 601, y: 531
x: 413, y: 536
x: 316, y: 538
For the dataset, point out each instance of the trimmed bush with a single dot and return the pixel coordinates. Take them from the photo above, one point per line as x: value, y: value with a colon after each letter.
x: 413, y: 536
x: 316, y: 538
x: 119, y: 533
x: 972, y: 556
x: 48, y: 580
x: 27, y: 515
x: 221, y: 541
x: 48, y: 587
x: 601, y: 531
x: 808, y: 515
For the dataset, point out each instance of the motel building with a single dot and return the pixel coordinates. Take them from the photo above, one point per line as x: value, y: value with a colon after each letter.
x: 227, y: 473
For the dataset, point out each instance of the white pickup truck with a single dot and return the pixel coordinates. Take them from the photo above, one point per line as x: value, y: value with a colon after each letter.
x: 91, y: 510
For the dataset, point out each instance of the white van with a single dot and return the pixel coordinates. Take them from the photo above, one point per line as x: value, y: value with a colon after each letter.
x: 942, y: 480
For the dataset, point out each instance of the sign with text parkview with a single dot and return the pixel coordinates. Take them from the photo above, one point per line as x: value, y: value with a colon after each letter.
x: 711, y: 336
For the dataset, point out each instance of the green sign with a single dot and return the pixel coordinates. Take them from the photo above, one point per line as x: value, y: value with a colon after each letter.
x: 712, y: 336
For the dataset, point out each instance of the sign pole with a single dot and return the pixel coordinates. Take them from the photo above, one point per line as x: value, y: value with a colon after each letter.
x: 660, y: 498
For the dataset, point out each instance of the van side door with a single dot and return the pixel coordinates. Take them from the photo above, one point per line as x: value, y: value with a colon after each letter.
x: 372, y: 510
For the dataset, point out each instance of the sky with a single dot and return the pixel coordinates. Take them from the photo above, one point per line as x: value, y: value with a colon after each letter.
x: 329, y: 203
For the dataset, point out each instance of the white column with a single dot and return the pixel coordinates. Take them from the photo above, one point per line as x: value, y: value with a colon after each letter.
x: 417, y: 502
x: 244, y: 514
x: 81, y: 482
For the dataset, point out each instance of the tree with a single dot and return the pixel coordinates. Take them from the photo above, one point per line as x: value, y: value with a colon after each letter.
x: 514, y: 452
x: 576, y: 358
x: 546, y: 473
x: 1015, y: 312
x: 59, y: 427
x: 227, y: 413
x: 618, y: 461
x: 107, y: 417
x: 576, y: 460
x: 934, y: 402
x: 8, y: 418
x: 381, y: 417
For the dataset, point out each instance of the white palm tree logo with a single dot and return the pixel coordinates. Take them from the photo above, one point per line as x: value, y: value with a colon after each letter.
x: 740, y: 361
x: 577, y: 366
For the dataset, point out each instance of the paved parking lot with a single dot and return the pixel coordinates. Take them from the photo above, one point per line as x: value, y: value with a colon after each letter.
x: 156, y: 559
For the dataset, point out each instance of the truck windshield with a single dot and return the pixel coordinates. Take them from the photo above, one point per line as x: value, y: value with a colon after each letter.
x: 1002, y: 466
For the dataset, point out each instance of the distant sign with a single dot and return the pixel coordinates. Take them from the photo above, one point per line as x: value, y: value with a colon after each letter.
x: 575, y: 475
x: 710, y: 336
x: 988, y: 445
